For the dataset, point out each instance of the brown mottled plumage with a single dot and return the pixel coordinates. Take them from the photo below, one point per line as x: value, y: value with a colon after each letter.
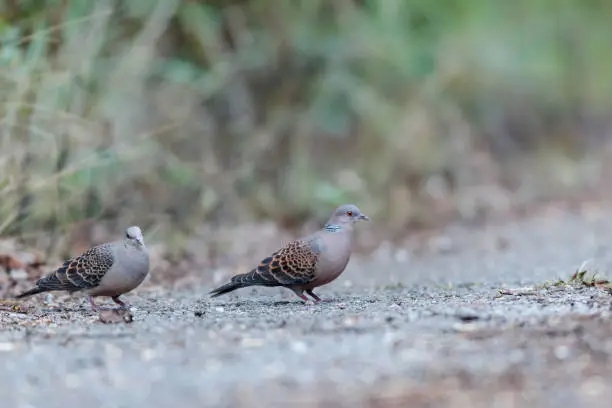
x: 81, y: 272
x: 109, y: 269
x: 306, y: 263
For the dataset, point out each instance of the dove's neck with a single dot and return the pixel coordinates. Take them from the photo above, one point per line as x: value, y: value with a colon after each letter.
x: 330, y: 227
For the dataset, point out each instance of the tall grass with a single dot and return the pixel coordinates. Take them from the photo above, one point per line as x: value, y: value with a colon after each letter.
x: 186, y: 112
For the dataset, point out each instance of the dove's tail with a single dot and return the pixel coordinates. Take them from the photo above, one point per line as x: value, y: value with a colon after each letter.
x: 229, y: 287
x: 243, y: 280
x: 31, y: 292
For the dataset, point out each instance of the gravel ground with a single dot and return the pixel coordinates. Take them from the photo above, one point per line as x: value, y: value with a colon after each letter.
x: 423, y: 326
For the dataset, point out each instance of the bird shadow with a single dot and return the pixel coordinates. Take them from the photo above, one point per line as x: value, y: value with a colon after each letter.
x: 284, y: 302
x: 259, y: 303
x: 276, y: 303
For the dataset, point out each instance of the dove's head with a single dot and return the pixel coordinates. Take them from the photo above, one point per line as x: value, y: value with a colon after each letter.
x: 133, y: 235
x: 347, y: 214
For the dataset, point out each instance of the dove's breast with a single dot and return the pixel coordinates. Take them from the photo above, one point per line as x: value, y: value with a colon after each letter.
x: 335, y: 253
x: 129, y: 270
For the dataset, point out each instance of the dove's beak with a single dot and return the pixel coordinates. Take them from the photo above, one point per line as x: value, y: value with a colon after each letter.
x: 364, y: 217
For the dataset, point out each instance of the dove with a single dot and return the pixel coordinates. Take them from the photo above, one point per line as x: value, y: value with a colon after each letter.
x: 305, y: 263
x: 109, y: 269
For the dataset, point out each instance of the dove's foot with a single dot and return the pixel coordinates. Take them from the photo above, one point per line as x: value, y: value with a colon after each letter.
x: 300, y: 294
x: 121, y: 303
x: 316, y: 298
x: 97, y: 308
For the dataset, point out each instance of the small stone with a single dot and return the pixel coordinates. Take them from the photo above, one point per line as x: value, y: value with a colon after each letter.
x: 402, y: 256
x: 148, y: 354
x: 466, y: 315
x: 562, y: 352
x: 465, y: 327
x: 19, y: 274
x: 7, y: 346
x: 299, y: 347
x: 72, y: 381
x: 252, y: 342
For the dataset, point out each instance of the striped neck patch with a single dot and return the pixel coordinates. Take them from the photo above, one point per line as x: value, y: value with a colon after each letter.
x: 332, y: 227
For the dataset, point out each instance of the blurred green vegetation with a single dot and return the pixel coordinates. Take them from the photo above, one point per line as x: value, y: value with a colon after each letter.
x: 186, y: 112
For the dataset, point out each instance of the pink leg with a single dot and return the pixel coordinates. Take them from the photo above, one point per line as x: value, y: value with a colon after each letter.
x: 316, y: 298
x: 300, y: 295
x: 94, y: 307
x: 120, y: 302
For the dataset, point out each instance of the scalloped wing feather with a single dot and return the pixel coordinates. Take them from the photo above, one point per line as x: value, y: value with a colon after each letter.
x: 294, y: 264
x: 81, y: 272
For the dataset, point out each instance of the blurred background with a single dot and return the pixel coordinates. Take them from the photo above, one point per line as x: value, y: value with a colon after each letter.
x: 182, y: 114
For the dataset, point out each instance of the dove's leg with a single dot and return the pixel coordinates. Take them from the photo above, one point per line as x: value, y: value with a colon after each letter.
x: 300, y: 294
x: 93, y: 304
x: 315, y: 297
x: 120, y: 302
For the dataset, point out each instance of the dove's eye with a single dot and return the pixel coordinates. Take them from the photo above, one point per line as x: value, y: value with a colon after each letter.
x: 349, y: 213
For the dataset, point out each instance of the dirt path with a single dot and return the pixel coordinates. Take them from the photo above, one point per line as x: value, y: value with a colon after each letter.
x: 419, y: 327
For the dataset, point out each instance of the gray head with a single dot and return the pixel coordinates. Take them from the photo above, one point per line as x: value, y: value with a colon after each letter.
x: 133, y: 235
x: 347, y: 214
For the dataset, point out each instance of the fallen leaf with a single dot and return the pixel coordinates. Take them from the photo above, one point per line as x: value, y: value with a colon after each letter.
x: 115, y: 316
x: 9, y: 262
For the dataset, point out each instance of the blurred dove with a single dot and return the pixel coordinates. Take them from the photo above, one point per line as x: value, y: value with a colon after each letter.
x: 306, y: 263
x: 110, y: 269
